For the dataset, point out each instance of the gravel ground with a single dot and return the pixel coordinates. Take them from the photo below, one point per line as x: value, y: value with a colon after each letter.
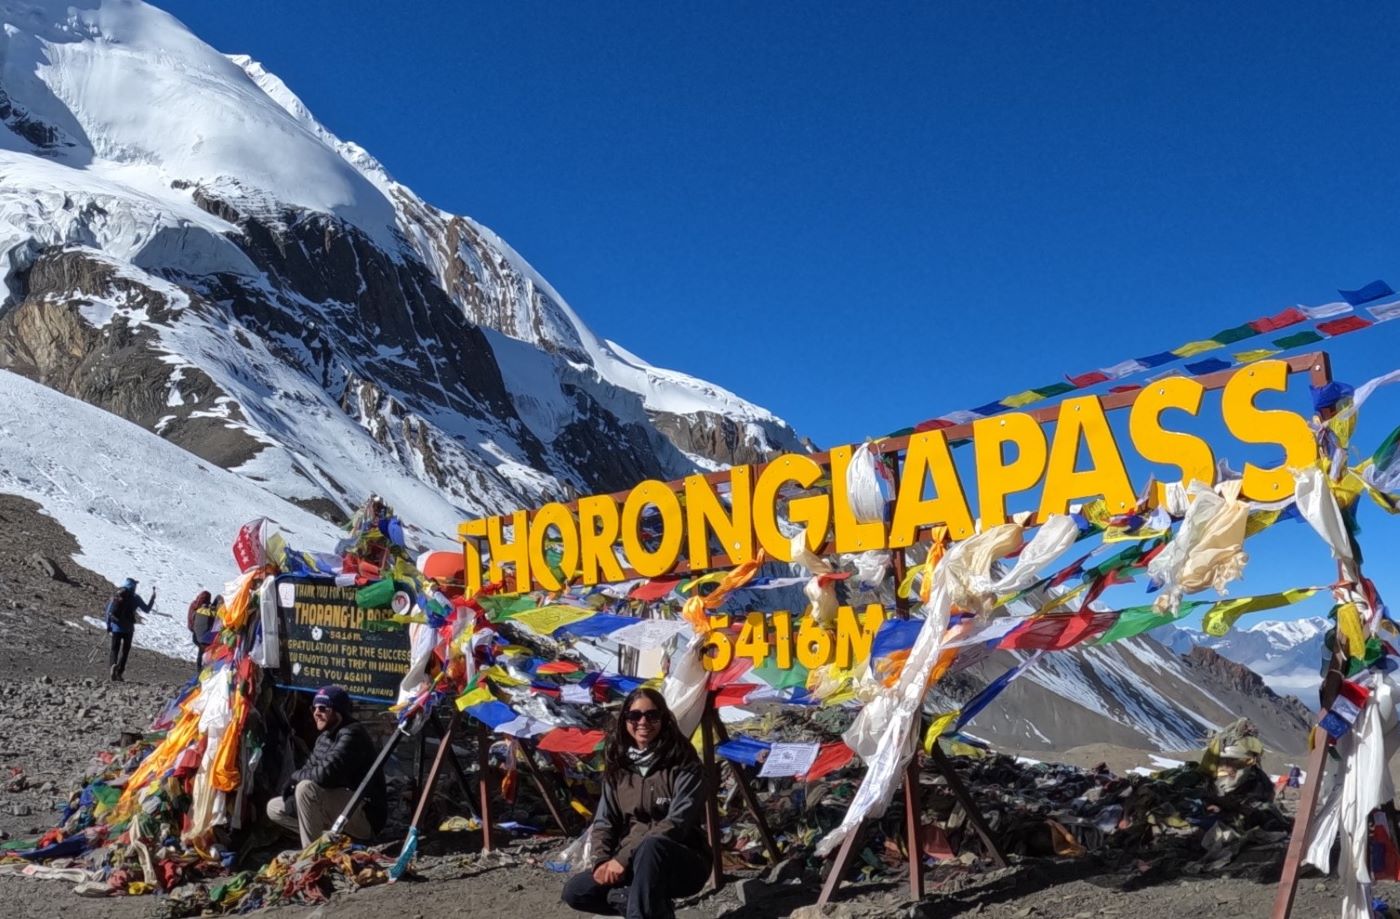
x: 57, y: 711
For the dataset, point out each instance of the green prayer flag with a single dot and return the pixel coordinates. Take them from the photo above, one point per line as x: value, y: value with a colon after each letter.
x: 1238, y: 333
x: 1297, y: 339
x: 1053, y: 390
x: 1138, y: 619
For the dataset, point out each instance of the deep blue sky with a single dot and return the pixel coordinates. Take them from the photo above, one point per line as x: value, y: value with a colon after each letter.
x: 864, y: 215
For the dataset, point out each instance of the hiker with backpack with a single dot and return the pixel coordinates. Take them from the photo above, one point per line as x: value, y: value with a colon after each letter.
x: 201, y: 620
x: 121, y: 623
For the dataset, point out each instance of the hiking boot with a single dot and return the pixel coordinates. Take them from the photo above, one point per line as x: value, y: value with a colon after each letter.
x: 617, y: 899
x: 117, y: 676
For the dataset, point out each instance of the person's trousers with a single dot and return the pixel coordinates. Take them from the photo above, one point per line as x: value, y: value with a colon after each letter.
x: 121, y: 647
x: 316, y: 809
x: 198, y: 659
x: 661, y: 870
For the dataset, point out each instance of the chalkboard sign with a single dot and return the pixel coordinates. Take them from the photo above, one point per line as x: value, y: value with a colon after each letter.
x: 326, y: 639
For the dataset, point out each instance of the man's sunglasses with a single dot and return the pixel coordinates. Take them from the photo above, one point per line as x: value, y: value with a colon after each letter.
x: 321, y: 708
x: 649, y: 714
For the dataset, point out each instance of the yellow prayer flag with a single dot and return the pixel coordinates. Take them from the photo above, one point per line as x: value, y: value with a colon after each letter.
x: 1258, y: 354
x: 1192, y: 348
x: 544, y: 620
x: 936, y: 728
x: 1353, y: 633
x: 1222, y: 616
x: 474, y: 697
x: 1022, y: 398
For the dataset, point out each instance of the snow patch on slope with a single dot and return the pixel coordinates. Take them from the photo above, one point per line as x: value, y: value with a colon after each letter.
x: 119, y: 504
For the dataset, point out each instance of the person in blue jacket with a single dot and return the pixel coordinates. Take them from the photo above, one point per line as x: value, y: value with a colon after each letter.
x: 121, y: 623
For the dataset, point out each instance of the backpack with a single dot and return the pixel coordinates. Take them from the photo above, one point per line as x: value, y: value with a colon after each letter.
x: 199, y: 603
x: 113, y: 605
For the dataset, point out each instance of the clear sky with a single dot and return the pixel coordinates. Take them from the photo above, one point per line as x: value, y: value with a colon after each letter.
x: 864, y: 215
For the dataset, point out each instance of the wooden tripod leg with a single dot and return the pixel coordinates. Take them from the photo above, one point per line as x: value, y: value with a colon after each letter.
x: 741, y: 779
x: 1307, y: 801
x: 461, y: 780
x: 483, y: 766
x: 711, y: 772
x: 974, y: 815
x: 913, y: 826
x: 546, y: 789
x: 841, y: 864
x: 444, y: 748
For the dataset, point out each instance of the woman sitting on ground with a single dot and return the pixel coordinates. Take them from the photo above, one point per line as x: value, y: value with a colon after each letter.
x: 646, y: 842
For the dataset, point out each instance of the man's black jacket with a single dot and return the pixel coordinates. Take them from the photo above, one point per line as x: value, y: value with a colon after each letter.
x: 341, y: 757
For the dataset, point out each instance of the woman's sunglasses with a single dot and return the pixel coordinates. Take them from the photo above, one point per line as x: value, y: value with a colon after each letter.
x: 650, y: 714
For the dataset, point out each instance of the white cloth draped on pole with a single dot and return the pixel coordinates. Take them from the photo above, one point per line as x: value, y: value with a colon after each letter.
x: 885, y: 733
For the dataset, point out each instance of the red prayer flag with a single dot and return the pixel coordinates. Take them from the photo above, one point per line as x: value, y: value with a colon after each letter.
x: 654, y: 590
x: 933, y: 424
x: 1342, y: 326
x: 830, y: 757
x: 737, y: 668
x: 1129, y: 387
x: 1088, y: 379
x: 559, y: 667
x: 1290, y: 316
x: 248, y: 545
x: 733, y: 694
x: 571, y: 740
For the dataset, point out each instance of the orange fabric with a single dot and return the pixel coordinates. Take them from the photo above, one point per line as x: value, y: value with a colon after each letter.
x: 185, y: 732
x: 696, y: 608
x: 940, y: 669
x: 225, y: 775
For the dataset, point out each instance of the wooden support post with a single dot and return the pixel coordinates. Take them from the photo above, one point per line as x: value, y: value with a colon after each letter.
x: 1307, y: 797
x: 545, y: 788
x: 711, y: 773
x: 741, y: 779
x: 969, y: 806
x: 483, y: 766
x: 840, y: 864
x: 913, y: 828
x: 461, y: 776
x: 1320, y: 375
x: 444, y: 749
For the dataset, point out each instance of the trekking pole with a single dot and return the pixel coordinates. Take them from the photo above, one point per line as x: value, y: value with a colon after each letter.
x: 401, y: 730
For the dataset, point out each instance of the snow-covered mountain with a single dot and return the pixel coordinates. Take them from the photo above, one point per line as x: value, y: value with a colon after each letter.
x: 1134, y: 693
x: 224, y: 311
x: 184, y: 245
x: 1288, y: 654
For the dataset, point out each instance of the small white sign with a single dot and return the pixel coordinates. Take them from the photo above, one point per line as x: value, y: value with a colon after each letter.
x: 649, y: 633
x: 785, y: 759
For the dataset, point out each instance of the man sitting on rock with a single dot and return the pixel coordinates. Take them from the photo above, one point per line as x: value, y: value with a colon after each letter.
x: 321, y: 788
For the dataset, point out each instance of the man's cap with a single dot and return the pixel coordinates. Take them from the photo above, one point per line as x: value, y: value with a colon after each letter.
x: 335, y: 697
x: 129, y: 582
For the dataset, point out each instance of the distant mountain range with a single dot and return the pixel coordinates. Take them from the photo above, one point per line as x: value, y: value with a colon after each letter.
x: 1288, y: 654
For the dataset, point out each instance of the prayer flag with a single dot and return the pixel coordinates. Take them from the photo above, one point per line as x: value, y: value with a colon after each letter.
x: 1297, y: 339
x: 1342, y: 326
x: 1290, y: 316
x: 1125, y: 369
x: 1238, y: 333
x: 1088, y: 379
x: 1326, y: 310
x: 1384, y: 312
x: 1209, y: 365
x: 1373, y: 291
x: 1158, y: 359
x: 571, y: 740
x: 1192, y: 348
